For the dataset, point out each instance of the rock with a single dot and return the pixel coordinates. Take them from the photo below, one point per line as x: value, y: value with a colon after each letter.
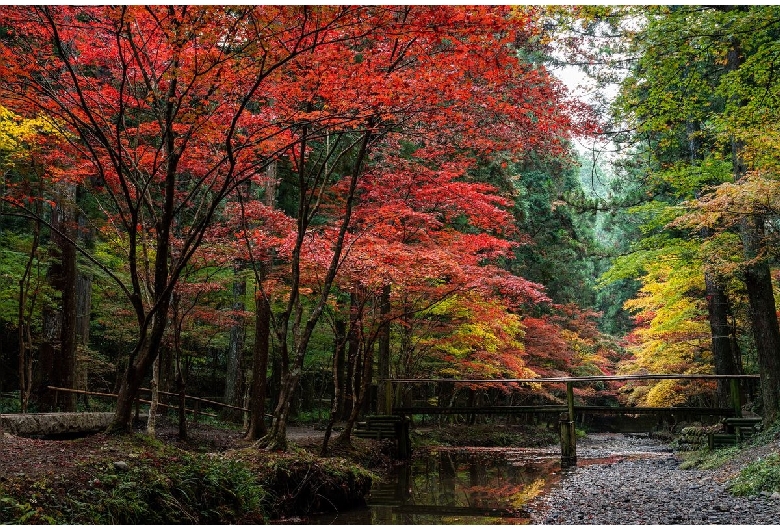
x: 121, y: 465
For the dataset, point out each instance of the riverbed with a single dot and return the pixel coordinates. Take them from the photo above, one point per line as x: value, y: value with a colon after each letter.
x: 645, y: 485
x: 619, y: 479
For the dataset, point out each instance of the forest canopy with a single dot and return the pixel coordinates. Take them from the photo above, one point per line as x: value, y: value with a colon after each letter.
x: 280, y: 207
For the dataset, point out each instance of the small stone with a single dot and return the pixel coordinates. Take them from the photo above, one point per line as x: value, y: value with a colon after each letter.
x: 775, y: 495
x: 121, y: 465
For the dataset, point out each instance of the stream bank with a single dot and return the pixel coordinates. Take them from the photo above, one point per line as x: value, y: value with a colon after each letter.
x: 641, y: 482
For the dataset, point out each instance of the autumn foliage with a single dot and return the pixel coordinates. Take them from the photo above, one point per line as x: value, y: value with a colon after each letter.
x: 322, y: 153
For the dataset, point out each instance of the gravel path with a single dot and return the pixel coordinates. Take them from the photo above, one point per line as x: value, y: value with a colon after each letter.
x: 638, y: 481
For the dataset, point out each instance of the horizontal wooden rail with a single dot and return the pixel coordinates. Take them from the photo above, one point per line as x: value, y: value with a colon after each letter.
x: 498, y: 409
x: 584, y: 379
x: 103, y: 394
x: 202, y: 400
x: 541, y: 409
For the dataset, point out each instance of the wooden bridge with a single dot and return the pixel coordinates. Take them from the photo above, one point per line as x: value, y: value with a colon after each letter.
x: 395, y: 411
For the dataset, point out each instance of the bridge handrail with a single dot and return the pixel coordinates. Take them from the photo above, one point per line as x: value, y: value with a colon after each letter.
x: 582, y: 379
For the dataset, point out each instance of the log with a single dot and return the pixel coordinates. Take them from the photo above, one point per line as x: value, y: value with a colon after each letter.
x: 55, y: 423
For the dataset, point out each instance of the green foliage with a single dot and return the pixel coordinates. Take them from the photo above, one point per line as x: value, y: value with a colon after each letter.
x: 299, y: 482
x: 186, y: 490
x: 706, y: 459
x: 548, y: 206
x: 14, y: 254
x: 759, y: 476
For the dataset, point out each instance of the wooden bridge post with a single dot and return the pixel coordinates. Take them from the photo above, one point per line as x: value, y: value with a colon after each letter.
x: 404, y: 439
x: 568, y: 441
x: 568, y: 431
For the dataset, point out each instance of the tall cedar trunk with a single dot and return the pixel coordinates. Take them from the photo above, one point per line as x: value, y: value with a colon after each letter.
x: 758, y: 283
x: 83, y: 319
x: 85, y: 237
x: 763, y: 316
x: 257, y: 427
x: 58, y: 352
x: 234, y: 373
x: 383, y: 364
x: 724, y: 357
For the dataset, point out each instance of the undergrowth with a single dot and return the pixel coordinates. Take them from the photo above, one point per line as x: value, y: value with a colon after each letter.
x: 706, y: 459
x: 158, y: 485
x: 760, y: 476
x: 757, y: 477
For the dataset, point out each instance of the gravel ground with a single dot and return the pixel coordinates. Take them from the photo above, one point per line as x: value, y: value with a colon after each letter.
x: 637, y: 480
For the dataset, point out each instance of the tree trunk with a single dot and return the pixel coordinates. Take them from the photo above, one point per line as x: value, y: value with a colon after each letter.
x: 257, y: 427
x: 758, y: 282
x: 181, y: 387
x: 763, y: 316
x: 276, y: 437
x: 151, y: 422
x: 85, y: 236
x: 384, y: 349
x: 352, y: 379
x: 59, y: 349
x: 337, y: 401
x: 235, y: 370
x: 724, y: 359
x: 363, y: 392
x: 24, y: 323
x: 138, y: 366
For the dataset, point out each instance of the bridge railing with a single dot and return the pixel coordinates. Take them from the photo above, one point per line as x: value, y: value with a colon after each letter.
x: 567, y: 411
x: 394, y: 387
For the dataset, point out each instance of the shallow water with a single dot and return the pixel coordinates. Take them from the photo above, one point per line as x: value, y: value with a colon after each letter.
x: 466, y: 485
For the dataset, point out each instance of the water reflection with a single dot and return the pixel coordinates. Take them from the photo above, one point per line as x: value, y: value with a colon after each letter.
x: 458, y: 486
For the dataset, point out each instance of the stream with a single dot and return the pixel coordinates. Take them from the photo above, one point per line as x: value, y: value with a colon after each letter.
x: 481, y: 485
x: 464, y: 485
